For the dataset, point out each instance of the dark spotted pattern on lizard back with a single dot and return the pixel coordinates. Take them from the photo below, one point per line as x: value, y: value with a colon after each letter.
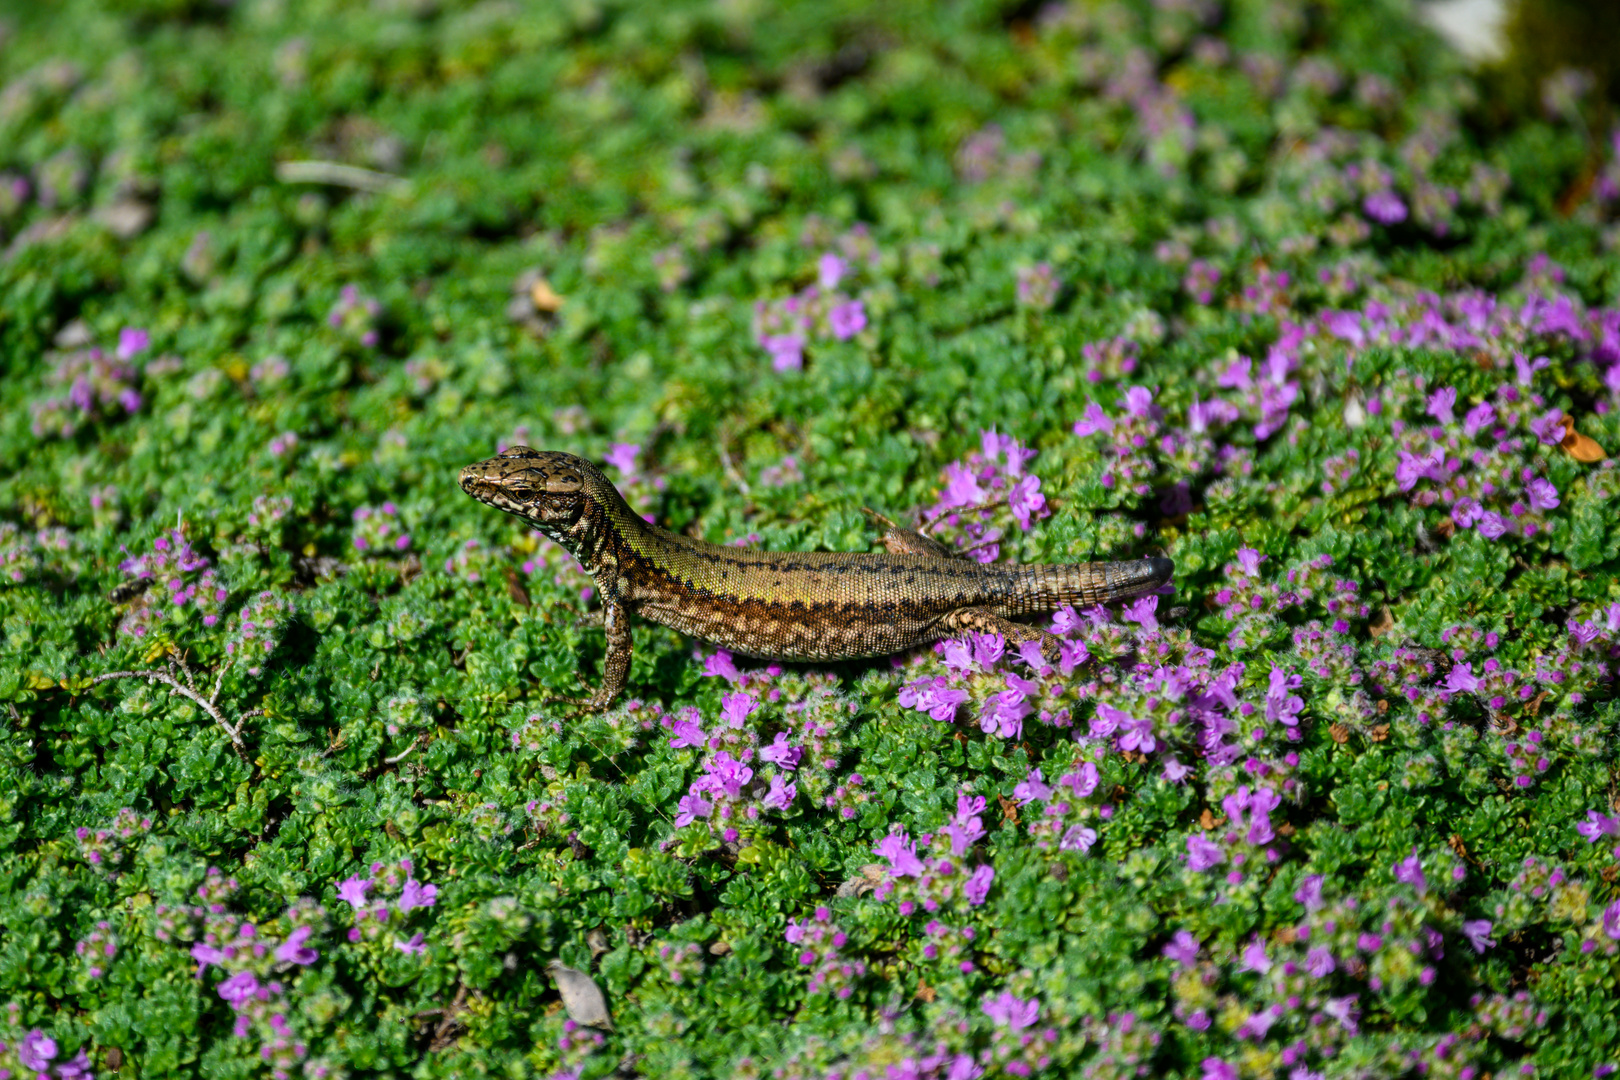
x: 781, y: 605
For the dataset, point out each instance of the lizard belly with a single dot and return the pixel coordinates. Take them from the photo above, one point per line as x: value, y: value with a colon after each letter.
x: 797, y: 631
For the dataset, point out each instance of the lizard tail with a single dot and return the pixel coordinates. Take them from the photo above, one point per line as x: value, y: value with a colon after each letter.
x: 1085, y: 584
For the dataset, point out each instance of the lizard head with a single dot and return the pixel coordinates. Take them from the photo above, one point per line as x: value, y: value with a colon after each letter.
x: 546, y: 488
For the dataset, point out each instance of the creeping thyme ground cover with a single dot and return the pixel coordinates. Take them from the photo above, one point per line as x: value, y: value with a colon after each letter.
x: 1272, y: 288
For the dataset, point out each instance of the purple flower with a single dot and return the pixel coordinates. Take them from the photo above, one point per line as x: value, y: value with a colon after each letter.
x: 781, y: 794
x: 1281, y: 706
x: 1543, y: 496
x: 830, y: 271
x: 847, y: 319
x: 294, y: 951
x: 1004, y: 714
x: 205, y: 955
x: 1138, y: 737
x: 622, y: 456
x: 1248, y: 561
x: 719, y: 664
x: 1254, y: 958
x: 1345, y: 1012
x: 727, y: 774
x: 1479, y: 418
x: 1216, y: 1069
x: 1441, y: 402
x: 1611, y: 921
x: 1109, y: 720
x: 1462, y: 679
x: 1384, y: 207
x: 1478, y: 933
x: 966, y: 827
x: 353, y: 891
x: 132, y: 342
x: 1078, y: 838
x: 1025, y: 500
x: 690, y: 808
x: 787, y: 351
x: 687, y: 733
x: 1031, y: 789
x: 1549, y: 427
x: 1409, y: 871
x: 1492, y: 526
x: 977, y: 887
x: 1203, y: 854
x: 417, y: 895
x: 1309, y: 892
x: 780, y: 754
x: 78, y: 1068
x: 1597, y: 826
x: 1319, y: 962
x: 413, y: 947
x: 1094, y: 421
x: 901, y: 852
x: 1142, y: 611
x: 1008, y: 1011
x: 734, y: 708
x: 239, y: 987
x: 1183, y: 949
x: 35, y: 1050
x: 1081, y: 782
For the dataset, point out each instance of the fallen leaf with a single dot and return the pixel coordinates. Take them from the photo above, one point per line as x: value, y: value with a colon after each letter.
x: 1383, y: 624
x: 1380, y: 733
x: 1578, y: 446
x: 1340, y: 733
x: 1009, y: 809
x: 544, y: 296
x: 515, y: 589
x: 1208, y: 820
x: 925, y: 992
x: 580, y: 996
x: 864, y: 882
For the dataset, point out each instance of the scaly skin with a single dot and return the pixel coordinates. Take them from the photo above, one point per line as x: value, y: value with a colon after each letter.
x: 781, y: 605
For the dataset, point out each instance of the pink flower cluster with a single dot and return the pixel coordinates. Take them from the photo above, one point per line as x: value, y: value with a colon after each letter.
x: 108, y: 849
x: 381, y: 905
x: 259, y: 627
x: 253, y: 959
x: 378, y: 530
x: 820, y: 942
x: 33, y: 1055
x: 976, y: 490
x: 944, y: 874
x: 820, y: 311
x: 356, y: 316
x: 728, y: 795
x: 97, y: 385
x: 182, y: 586
x: 97, y: 949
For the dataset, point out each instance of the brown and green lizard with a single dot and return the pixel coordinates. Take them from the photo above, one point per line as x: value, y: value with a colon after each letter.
x: 786, y: 605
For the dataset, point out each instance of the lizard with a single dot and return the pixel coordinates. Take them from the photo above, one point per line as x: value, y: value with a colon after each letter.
x: 815, y: 606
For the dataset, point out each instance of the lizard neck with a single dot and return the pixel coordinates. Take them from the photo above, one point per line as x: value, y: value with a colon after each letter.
x: 606, y: 534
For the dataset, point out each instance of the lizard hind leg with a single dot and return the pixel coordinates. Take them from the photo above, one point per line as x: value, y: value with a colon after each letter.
x: 899, y: 540
x: 979, y: 621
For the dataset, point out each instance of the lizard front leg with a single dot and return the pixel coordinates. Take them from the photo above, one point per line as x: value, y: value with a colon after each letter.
x: 616, y: 665
x: 979, y: 621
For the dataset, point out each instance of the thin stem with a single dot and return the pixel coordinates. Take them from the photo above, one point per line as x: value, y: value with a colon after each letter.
x: 988, y: 504
x: 337, y: 174
x: 202, y: 702
x: 405, y: 753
